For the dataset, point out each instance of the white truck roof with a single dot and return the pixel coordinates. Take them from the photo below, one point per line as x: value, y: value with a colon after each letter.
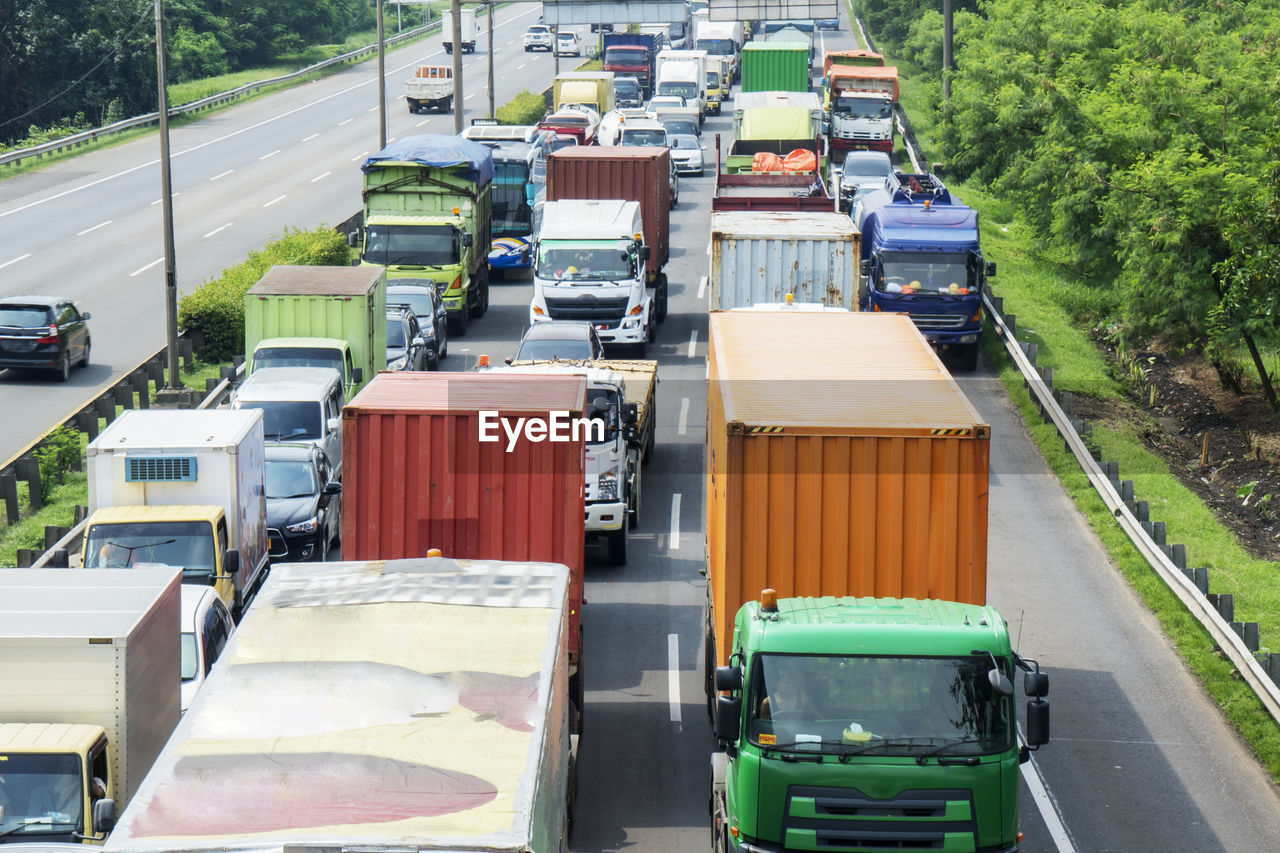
x: 591, y: 219
x: 164, y: 431
x: 78, y: 603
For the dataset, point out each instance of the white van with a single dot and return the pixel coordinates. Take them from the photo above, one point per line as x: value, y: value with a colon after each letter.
x: 298, y: 404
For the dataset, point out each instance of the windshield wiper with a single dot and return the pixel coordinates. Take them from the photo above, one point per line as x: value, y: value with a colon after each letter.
x: 36, y: 821
x: 968, y: 759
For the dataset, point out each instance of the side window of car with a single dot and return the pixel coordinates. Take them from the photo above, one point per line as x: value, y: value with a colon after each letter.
x: 66, y: 313
x: 215, y: 639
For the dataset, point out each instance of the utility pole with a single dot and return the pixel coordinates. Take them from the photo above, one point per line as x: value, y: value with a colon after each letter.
x: 491, y: 9
x: 382, y: 84
x: 456, y: 7
x: 172, y: 392
x: 946, y: 50
x: 555, y: 49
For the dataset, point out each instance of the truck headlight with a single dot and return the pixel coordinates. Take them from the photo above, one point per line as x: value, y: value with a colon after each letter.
x: 607, y: 486
x: 308, y: 526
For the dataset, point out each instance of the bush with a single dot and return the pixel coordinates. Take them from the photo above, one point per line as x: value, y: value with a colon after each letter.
x: 60, y: 450
x: 524, y: 108
x: 216, y: 308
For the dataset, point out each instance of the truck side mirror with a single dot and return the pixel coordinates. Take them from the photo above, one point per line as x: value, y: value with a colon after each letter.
x: 467, y: 241
x: 630, y: 413
x: 644, y: 253
x: 1037, y: 722
x: 104, y: 816
x: 728, y: 678
x: 991, y: 268
x: 631, y: 433
x: 231, y: 562
x: 1036, y: 684
x: 728, y: 718
x: 334, y: 424
x: 357, y: 375
x: 999, y: 682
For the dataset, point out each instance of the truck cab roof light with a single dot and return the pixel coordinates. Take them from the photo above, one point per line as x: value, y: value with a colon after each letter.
x: 769, y: 600
x: 435, y: 552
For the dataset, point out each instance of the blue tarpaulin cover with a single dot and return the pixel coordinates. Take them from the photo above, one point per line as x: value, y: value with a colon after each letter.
x: 439, y: 150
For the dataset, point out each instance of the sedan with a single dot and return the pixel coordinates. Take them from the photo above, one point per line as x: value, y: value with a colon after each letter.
x: 405, y: 348
x: 433, y: 324
x: 567, y: 44
x: 686, y: 153
x: 862, y: 169
x: 46, y: 332
x: 304, y: 504
x: 566, y: 340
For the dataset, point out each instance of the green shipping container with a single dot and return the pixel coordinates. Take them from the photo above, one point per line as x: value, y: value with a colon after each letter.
x: 344, y: 303
x: 775, y: 67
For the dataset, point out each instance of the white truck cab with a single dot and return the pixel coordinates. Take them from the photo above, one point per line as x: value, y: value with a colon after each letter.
x: 590, y: 265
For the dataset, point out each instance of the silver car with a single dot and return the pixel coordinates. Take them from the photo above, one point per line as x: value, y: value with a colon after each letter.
x: 686, y: 153
x: 862, y: 172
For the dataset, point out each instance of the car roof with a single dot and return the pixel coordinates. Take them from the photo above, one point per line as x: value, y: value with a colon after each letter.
x: 282, y: 451
x: 194, y: 597
x: 36, y: 300
x: 558, y: 330
x: 299, y: 383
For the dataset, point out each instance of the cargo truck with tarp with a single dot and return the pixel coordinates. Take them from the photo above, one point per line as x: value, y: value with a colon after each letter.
x: 377, y: 706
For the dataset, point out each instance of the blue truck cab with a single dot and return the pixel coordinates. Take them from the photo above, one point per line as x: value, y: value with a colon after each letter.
x: 920, y: 256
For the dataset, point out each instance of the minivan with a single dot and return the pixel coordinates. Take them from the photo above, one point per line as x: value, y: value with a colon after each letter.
x: 298, y: 404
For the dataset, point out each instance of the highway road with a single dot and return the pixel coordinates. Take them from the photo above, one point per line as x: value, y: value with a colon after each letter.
x: 1140, y: 759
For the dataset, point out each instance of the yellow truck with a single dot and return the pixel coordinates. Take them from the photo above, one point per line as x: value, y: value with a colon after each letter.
x: 90, y: 677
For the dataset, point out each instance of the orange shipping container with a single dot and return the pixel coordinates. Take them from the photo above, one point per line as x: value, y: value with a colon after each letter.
x: 417, y: 476
x: 843, y: 459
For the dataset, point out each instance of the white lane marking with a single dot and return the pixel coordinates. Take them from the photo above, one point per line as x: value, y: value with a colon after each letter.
x: 673, y: 675
x: 141, y: 270
x: 274, y: 200
x: 359, y: 157
x: 270, y: 154
x: 15, y: 260
x: 1048, y: 809
x: 424, y: 121
x: 311, y: 137
x: 392, y: 139
x: 219, y: 228
x: 469, y: 97
x: 345, y: 121
x: 223, y: 175
x: 693, y: 343
x: 521, y: 66
x: 673, y: 542
x: 321, y: 177
x: 684, y: 415
x: 157, y: 201
x: 94, y: 228
x: 702, y: 287
x: 373, y: 109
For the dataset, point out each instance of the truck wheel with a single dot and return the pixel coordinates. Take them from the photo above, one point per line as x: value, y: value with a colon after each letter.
x: 969, y: 358
x: 482, y: 292
x: 448, y: 48
x: 458, y: 322
x: 709, y: 661
x: 662, y: 297
x: 648, y: 448
x: 633, y: 512
x: 618, y: 546
x: 448, y: 105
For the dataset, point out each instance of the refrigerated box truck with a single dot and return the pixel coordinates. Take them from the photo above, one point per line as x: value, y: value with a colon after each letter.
x: 90, y: 676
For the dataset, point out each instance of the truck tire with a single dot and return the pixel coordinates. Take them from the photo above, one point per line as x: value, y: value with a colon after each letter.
x: 662, y: 297
x: 482, y: 292
x: 448, y: 105
x: 458, y: 322
x: 618, y: 546
x: 968, y: 358
x: 448, y: 48
x: 649, y: 441
x: 709, y: 660
x: 637, y: 495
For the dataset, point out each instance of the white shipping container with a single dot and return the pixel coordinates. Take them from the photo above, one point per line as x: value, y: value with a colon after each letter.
x: 761, y: 256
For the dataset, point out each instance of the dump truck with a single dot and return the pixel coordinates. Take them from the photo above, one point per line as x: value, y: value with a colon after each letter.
x: 90, y: 677
x: 473, y: 476
x: 623, y: 395
x: 859, y: 57
x: 181, y: 488
x: 310, y: 316
x: 775, y: 66
x: 860, y: 101
x: 746, y: 102
x: 378, y: 706
x: 743, y: 189
x: 427, y: 218
x: 764, y: 257
x: 592, y: 89
x: 430, y: 88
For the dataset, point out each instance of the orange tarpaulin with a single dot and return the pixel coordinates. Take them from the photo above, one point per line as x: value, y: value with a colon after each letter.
x: 799, y: 160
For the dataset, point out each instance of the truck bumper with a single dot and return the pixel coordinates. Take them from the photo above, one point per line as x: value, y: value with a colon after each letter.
x: 619, y: 335
x: 839, y: 144
x: 942, y: 340
x: 603, y: 517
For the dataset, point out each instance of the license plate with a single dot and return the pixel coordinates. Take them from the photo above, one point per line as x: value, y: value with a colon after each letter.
x: 19, y: 344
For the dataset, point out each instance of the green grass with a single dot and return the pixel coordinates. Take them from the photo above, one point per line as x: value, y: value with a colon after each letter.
x: 58, y: 510
x: 1055, y: 312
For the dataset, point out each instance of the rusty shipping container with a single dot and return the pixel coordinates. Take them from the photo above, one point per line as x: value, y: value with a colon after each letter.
x: 418, y: 476
x: 843, y: 459
x: 630, y: 173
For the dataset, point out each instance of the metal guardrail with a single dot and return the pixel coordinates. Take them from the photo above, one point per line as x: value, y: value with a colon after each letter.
x: 1191, y: 586
x: 85, y: 137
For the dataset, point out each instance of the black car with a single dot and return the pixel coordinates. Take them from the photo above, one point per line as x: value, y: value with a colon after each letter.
x: 405, y: 347
x: 45, y: 332
x: 562, y: 339
x: 304, y: 503
x: 433, y: 322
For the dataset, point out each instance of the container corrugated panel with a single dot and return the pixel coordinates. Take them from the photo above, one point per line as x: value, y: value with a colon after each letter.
x: 775, y: 67
x: 629, y: 173
x: 758, y: 256
x: 843, y: 459
x: 417, y: 476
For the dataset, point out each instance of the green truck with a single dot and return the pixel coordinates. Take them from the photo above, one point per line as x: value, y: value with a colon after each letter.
x: 870, y: 724
x: 775, y: 66
x: 304, y: 316
x: 775, y: 129
x: 427, y: 217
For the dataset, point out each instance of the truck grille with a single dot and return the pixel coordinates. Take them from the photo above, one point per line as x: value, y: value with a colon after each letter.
x: 590, y: 308
x: 846, y: 819
x: 160, y: 469
x: 939, y: 322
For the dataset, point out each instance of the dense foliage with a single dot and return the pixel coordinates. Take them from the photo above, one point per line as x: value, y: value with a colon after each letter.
x: 97, y: 57
x: 525, y: 108
x: 216, y: 308
x: 1137, y: 137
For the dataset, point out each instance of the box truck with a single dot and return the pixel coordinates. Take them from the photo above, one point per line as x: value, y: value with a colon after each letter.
x: 302, y: 316
x: 182, y: 489
x: 466, y: 28
x: 90, y: 677
x: 382, y: 706
x: 592, y: 89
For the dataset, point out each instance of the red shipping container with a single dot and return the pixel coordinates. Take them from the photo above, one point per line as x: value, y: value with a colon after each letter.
x: 629, y: 173
x: 417, y: 476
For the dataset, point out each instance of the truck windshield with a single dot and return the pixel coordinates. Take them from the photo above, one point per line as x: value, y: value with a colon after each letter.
x: 853, y: 106
x: 688, y: 91
x: 713, y: 79
x: 426, y: 245
x: 718, y: 47
x: 626, y: 56
x: 925, y: 274
x: 119, y: 545
x: 297, y: 357
x: 40, y: 794
x: 648, y: 136
x: 878, y: 705
x: 585, y: 262
x: 283, y: 420
x: 626, y: 89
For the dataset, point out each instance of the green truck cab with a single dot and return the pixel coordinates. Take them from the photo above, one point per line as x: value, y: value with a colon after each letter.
x: 864, y: 724
x: 427, y: 219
